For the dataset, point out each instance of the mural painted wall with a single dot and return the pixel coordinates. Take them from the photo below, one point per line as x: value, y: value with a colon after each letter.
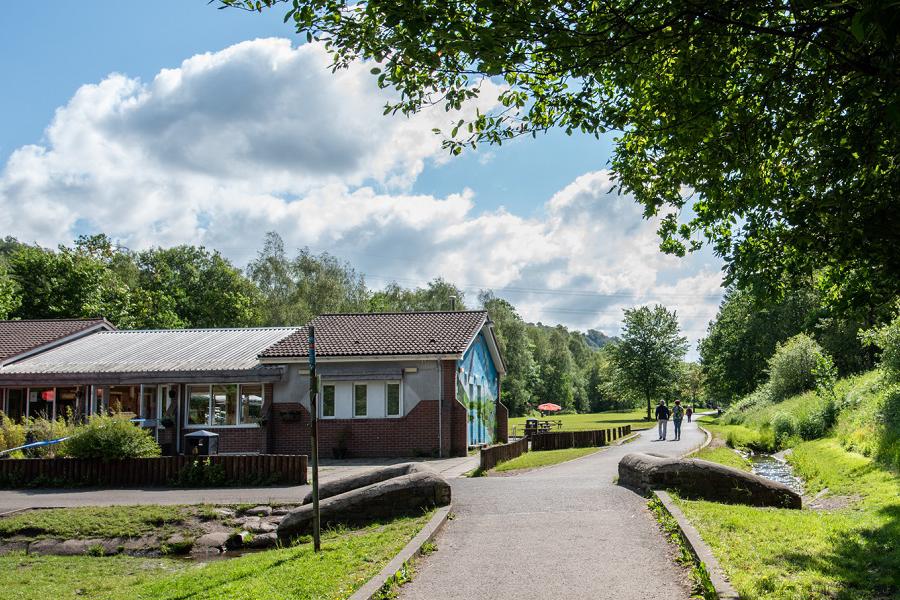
x: 476, y: 389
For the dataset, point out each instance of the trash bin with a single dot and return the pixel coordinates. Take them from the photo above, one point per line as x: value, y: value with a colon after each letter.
x: 201, y: 443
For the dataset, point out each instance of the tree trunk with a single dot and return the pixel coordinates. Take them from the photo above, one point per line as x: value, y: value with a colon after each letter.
x: 648, y: 406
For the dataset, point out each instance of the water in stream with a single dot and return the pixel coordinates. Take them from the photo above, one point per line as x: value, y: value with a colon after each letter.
x: 766, y: 465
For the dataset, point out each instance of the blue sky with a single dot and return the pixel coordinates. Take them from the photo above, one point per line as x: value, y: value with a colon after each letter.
x: 112, y: 119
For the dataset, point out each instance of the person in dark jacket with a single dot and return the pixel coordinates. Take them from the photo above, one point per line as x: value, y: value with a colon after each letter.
x: 662, y: 419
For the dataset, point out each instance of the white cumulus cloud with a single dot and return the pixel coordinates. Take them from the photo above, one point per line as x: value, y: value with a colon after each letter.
x: 262, y: 136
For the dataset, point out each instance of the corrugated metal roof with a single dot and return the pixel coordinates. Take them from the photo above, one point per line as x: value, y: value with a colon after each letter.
x: 155, y: 351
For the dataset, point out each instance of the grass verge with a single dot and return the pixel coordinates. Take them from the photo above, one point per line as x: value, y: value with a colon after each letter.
x: 701, y: 585
x: 724, y: 456
x: 97, y: 521
x: 589, y: 421
x: 543, y: 458
x: 846, y: 553
x: 348, y: 559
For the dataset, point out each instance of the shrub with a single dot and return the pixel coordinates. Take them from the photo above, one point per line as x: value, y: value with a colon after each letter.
x: 784, y: 426
x: 792, y: 369
x: 12, y: 434
x: 44, y: 430
x: 887, y: 338
x: 111, y: 437
x: 200, y: 473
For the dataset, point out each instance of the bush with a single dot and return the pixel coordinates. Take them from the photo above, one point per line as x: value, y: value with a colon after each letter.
x: 887, y: 338
x: 792, y: 369
x: 12, y: 434
x: 111, y: 437
x: 200, y: 473
x: 784, y: 427
x: 44, y: 430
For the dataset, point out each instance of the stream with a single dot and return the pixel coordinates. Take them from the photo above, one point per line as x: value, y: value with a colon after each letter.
x: 766, y: 465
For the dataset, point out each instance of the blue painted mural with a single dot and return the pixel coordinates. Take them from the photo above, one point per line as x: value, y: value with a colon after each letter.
x: 476, y: 389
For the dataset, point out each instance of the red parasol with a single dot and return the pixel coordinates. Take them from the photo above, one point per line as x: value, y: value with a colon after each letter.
x: 549, y: 407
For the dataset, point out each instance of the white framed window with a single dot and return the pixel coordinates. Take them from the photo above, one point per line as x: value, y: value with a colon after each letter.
x: 328, y: 400
x: 224, y: 405
x: 393, y: 399
x: 360, y: 399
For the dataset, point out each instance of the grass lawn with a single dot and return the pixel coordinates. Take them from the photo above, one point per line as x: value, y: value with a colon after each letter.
x: 532, y: 460
x: 725, y: 456
x: 349, y: 558
x: 588, y: 421
x: 848, y: 552
x: 96, y: 521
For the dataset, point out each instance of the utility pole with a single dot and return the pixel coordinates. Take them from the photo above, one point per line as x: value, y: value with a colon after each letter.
x: 314, y: 436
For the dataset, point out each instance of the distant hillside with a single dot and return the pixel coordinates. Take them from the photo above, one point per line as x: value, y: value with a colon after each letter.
x: 598, y: 339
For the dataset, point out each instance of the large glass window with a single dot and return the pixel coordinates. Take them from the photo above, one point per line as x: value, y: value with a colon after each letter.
x: 251, y: 403
x: 360, y: 400
x: 198, y: 404
x: 392, y: 396
x: 224, y: 404
x: 168, y: 395
x: 327, y: 400
x: 124, y: 399
x: 15, y: 403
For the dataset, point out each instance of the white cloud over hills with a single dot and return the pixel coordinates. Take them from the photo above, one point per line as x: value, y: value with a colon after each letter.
x: 262, y: 136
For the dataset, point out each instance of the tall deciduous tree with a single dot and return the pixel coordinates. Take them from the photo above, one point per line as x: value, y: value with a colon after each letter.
x: 783, y: 118
x: 649, y: 353
x: 516, y: 349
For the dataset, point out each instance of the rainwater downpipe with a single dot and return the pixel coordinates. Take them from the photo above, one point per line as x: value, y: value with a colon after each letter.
x: 440, y: 409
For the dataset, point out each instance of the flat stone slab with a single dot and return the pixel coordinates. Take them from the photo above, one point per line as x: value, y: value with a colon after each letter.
x: 210, y: 541
x: 701, y: 479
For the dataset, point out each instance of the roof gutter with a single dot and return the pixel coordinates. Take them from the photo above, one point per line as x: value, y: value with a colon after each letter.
x: 280, y: 360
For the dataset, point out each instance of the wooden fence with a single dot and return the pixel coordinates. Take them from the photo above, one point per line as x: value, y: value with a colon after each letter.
x: 491, y: 457
x: 161, y: 471
x: 559, y: 440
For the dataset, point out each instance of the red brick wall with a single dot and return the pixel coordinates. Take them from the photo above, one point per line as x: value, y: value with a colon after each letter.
x: 455, y: 416
x: 237, y: 439
x: 502, y: 420
x: 415, y: 434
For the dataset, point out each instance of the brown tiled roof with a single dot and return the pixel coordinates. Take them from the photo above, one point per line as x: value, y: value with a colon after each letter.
x: 18, y: 337
x: 372, y: 334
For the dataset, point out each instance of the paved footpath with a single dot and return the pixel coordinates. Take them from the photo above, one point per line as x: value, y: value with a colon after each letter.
x: 565, y: 531
x: 11, y: 500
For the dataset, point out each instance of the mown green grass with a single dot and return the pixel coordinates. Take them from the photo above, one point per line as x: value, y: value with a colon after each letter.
x: 543, y: 458
x: 348, y: 559
x: 780, y: 554
x: 589, y: 421
x: 724, y: 456
x: 95, y: 521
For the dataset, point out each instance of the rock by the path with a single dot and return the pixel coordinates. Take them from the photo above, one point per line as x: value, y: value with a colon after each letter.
x: 281, y: 511
x: 224, y: 513
x: 256, y: 525
x: 421, y: 488
x: 259, y: 511
x: 263, y: 540
x: 211, y: 541
x: 694, y: 478
x: 9, y: 547
x: 345, y: 484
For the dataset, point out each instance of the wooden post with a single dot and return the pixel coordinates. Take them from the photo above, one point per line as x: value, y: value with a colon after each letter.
x: 314, y: 437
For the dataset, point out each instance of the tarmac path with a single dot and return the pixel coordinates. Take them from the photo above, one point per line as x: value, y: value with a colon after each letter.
x: 565, y: 531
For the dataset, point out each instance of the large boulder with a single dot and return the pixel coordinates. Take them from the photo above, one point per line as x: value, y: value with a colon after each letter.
x: 701, y: 479
x: 345, y: 484
x: 413, y: 489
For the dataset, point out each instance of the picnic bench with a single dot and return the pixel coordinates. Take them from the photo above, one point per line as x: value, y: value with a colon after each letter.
x: 536, y: 427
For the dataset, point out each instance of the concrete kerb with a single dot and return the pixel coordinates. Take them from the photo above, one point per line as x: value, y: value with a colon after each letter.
x: 707, y: 442
x: 412, y: 549
x: 702, y: 553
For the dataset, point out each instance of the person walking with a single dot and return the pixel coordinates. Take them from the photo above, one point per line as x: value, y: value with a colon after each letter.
x: 662, y: 419
x: 677, y: 415
x: 689, y: 411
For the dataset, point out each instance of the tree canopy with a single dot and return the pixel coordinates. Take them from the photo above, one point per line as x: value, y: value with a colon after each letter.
x: 780, y: 119
x: 648, y: 357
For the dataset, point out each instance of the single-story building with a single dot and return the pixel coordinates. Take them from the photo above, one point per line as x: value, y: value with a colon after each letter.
x: 390, y: 384
x: 21, y: 339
